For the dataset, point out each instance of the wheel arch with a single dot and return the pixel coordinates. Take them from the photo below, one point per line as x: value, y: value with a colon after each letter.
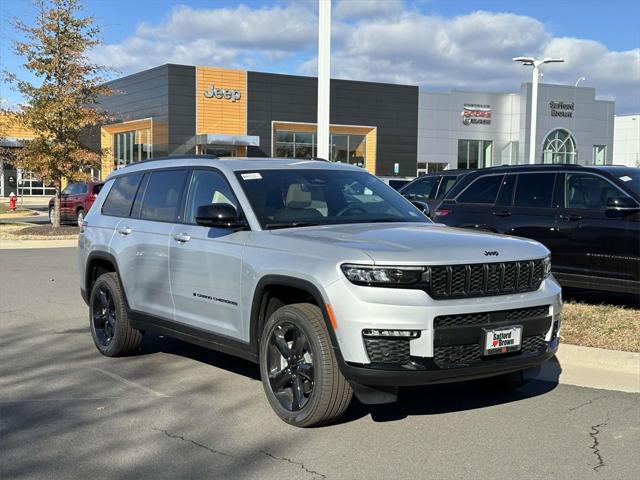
x: 97, y: 263
x: 272, y: 287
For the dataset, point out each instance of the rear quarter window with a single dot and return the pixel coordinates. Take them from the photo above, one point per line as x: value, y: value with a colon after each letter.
x: 120, y: 198
x: 483, y: 190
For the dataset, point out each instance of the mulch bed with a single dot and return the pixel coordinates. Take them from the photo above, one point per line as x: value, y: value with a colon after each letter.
x: 48, y: 230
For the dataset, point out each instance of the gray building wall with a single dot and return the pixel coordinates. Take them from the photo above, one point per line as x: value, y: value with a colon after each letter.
x: 440, y: 123
x: 626, y: 140
x: 393, y: 109
x: 165, y: 94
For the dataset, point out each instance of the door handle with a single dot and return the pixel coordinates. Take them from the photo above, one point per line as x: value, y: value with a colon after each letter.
x: 503, y: 213
x: 182, y: 237
x: 124, y: 231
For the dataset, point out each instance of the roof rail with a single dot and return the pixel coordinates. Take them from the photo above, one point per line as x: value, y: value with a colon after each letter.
x: 172, y: 157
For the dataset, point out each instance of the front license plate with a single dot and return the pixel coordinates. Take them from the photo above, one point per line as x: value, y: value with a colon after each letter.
x: 503, y: 340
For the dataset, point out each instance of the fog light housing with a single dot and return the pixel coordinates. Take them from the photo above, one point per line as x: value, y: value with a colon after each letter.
x: 379, y: 333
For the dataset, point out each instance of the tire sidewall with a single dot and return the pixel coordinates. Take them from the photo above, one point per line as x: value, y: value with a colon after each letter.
x: 51, y: 214
x: 289, y: 314
x: 80, y: 217
x: 108, y: 282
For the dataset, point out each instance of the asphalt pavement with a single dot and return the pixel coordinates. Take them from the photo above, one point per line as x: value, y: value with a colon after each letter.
x: 181, y: 411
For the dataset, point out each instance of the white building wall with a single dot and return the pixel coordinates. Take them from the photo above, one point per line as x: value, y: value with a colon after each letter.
x: 626, y: 140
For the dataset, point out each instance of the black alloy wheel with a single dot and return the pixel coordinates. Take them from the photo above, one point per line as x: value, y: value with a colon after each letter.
x: 103, y: 316
x: 290, y: 366
x: 110, y: 327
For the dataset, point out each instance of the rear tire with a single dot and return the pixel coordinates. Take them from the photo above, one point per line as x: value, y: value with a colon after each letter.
x: 110, y: 328
x: 51, y: 213
x: 79, y: 217
x: 298, y: 366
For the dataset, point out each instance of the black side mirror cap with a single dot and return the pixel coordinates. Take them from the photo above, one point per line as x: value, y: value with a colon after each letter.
x: 219, y: 215
x: 422, y: 206
x: 623, y: 203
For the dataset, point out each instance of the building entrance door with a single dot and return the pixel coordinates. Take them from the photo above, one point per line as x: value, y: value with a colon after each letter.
x: 221, y: 151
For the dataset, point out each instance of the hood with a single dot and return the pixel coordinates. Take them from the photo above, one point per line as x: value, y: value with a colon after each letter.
x: 419, y: 243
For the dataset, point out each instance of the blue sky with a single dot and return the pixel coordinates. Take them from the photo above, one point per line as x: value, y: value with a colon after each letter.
x: 439, y: 44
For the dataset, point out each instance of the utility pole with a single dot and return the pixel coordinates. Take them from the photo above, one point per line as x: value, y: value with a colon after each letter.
x: 534, y: 98
x: 324, y: 75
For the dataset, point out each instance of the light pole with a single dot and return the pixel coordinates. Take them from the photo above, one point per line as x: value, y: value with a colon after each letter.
x: 534, y: 98
x: 324, y: 75
x: 581, y: 79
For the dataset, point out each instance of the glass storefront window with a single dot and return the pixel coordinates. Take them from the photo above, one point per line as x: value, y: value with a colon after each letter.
x: 599, y: 154
x: 133, y: 146
x: 475, y: 153
x: 346, y: 148
x: 559, y: 147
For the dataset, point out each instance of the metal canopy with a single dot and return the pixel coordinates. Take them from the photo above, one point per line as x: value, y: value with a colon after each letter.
x: 225, y: 139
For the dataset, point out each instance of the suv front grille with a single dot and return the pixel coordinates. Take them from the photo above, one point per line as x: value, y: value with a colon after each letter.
x: 464, y: 355
x: 464, y: 319
x: 458, y: 281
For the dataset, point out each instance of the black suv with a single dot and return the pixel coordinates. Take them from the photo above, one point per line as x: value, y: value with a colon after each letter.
x: 589, y: 217
x: 432, y: 187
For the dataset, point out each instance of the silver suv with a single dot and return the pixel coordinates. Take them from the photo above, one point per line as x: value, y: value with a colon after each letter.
x: 325, y: 276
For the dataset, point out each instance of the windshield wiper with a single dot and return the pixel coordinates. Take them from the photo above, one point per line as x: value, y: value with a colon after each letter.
x: 273, y: 226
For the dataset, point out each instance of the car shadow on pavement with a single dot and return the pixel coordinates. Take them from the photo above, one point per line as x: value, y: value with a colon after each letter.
x: 424, y: 400
x: 600, y: 297
x: 154, y: 343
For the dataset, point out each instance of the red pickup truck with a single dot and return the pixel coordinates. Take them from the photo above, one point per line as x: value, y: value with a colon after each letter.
x: 75, y: 201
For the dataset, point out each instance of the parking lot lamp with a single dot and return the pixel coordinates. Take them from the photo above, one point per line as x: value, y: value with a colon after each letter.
x: 534, y: 97
x: 324, y: 75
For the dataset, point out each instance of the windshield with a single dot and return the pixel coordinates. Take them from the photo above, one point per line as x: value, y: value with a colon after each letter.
x: 631, y: 179
x: 290, y: 198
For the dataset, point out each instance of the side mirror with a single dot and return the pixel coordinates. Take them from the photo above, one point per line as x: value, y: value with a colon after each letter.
x: 220, y: 215
x: 422, y: 206
x: 622, y: 203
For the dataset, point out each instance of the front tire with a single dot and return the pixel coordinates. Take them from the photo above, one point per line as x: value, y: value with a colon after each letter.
x: 299, y: 371
x: 51, y: 214
x: 110, y: 328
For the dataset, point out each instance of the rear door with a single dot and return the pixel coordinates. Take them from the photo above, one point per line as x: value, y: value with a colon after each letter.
x: 206, y: 263
x: 65, y: 202
x: 526, y: 208
x: 473, y: 204
x: 603, y: 243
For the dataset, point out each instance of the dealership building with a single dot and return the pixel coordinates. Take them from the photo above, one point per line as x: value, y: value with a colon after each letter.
x: 388, y: 129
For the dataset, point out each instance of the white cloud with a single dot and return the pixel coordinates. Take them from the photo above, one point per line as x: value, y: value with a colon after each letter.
x: 380, y: 40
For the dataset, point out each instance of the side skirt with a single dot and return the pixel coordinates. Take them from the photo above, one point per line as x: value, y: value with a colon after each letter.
x: 203, y: 338
x: 597, y: 283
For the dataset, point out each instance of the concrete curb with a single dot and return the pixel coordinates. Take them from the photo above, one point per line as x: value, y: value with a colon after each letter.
x: 27, y: 244
x: 594, y: 368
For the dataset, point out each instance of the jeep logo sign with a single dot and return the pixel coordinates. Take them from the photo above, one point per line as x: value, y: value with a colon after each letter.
x: 222, y: 93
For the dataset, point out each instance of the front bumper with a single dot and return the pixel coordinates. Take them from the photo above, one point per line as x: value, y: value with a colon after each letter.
x: 366, y: 375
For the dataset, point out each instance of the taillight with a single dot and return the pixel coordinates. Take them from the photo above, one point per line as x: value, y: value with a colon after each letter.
x: 442, y: 212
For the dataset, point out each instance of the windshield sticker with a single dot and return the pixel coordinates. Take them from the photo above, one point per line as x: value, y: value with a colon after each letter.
x: 625, y: 178
x: 251, y: 176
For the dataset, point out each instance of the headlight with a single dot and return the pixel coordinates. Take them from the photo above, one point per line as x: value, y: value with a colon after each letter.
x: 383, y: 276
x: 547, y: 266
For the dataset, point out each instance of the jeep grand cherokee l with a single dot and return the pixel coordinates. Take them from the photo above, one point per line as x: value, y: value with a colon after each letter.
x: 587, y: 216
x: 328, y: 278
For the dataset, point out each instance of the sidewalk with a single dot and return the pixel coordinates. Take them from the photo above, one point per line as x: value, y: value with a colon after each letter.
x: 27, y: 244
x: 594, y: 368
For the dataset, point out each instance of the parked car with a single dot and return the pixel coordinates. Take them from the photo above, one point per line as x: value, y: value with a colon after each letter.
x: 326, y: 277
x: 75, y: 201
x: 432, y: 187
x: 588, y: 216
x: 396, y: 182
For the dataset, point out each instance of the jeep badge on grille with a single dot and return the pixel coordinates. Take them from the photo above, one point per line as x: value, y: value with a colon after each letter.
x: 491, y: 253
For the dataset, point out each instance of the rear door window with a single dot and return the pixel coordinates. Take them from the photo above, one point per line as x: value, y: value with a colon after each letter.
x: 483, y: 190
x: 534, y: 190
x: 120, y: 198
x: 423, y: 189
x: 163, y: 195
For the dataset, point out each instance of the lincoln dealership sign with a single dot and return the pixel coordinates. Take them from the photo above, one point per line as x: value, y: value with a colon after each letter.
x: 474, y: 114
x: 561, y: 109
x: 222, y: 93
